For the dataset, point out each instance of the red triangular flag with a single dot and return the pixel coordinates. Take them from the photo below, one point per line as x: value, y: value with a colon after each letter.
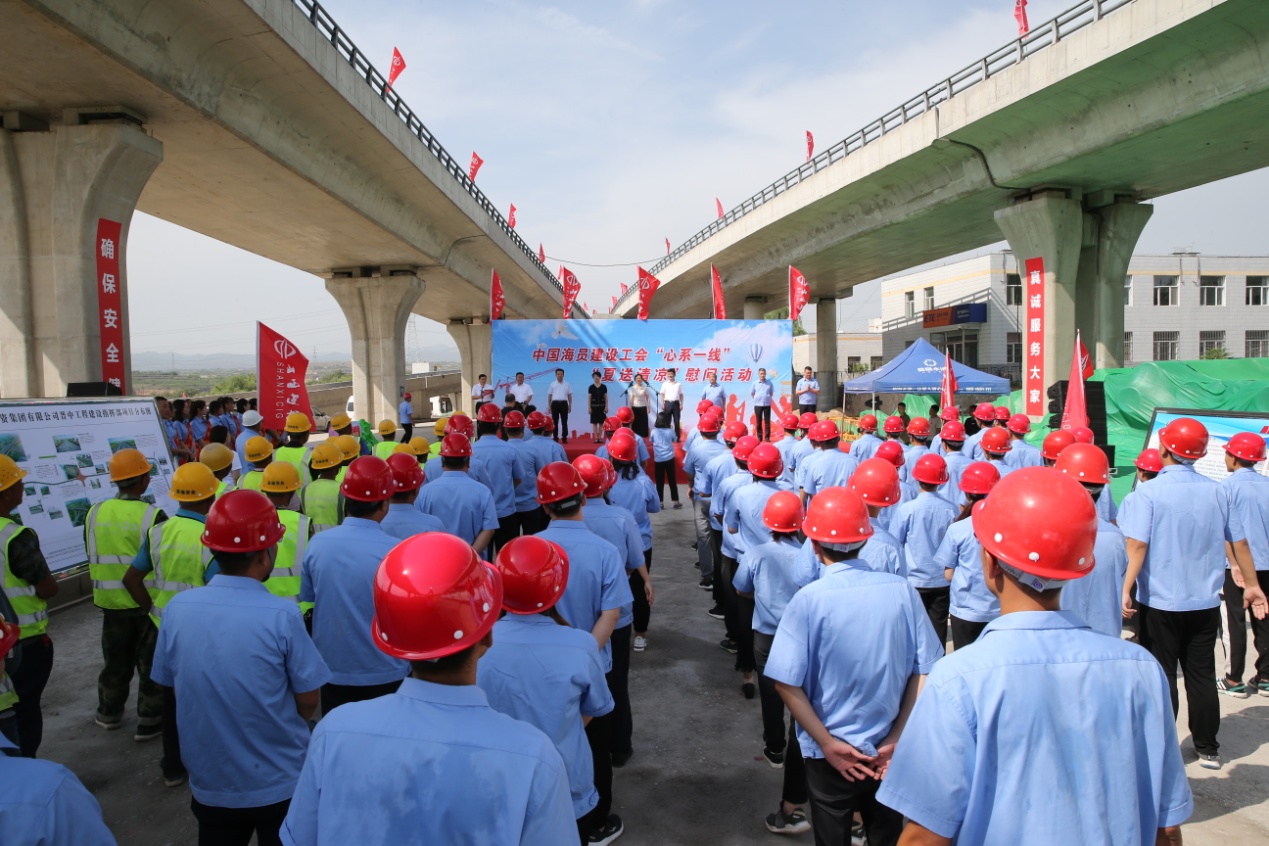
x: 398, y: 65
x: 571, y: 289
x: 947, y: 389
x: 497, y: 299
x: 474, y: 168
x: 1086, y: 361
x: 720, y: 303
x: 1076, y: 411
x: 1020, y: 15
x: 511, y: 218
x: 614, y: 305
x: 541, y: 253
x: 718, y: 204
x: 799, y: 293
x: 810, y: 145
x: 648, y: 285
x: 623, y: 289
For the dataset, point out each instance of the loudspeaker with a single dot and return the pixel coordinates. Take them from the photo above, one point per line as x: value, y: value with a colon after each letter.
x: 92, y: 389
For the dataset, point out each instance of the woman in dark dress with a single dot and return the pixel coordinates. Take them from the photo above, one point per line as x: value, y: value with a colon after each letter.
x: 598, y: 392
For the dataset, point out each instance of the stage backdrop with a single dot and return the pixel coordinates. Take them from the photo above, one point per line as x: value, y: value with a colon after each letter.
x: 619, y: 349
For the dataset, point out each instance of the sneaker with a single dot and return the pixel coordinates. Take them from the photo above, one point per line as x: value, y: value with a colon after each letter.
x: 775, y: 759
x: 108, y: 725
x: 782, y: 823
x: 640, y: 643
x: 729, y: 645
x: 707, y: 583
x: 610, y: 831
x: 1238, y: 690
x: 1259, y: 686
x: 175, y: 779
x: 678, y: 504
x: 145, y: 733
x: 716, y: 612
x: 857, y: 835
x: 1210, y: 762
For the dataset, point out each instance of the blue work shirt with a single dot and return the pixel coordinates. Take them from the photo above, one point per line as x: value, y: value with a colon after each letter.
x: 463, y: 505
x: 961, y: 553
x: 1248, y: 493
x: 198, y: 428
x: 547, y: 449
x: 1021, y: 454
x: 531, y: 462
x: 663, y: 444
x: 718, y: 507
x: 698, y: 457
x: 641, y: 450
x: 1106, y: 509
x: 798, y: 452
x: 882, y: 553
x: 44, y: 803
x: 851, y: 641
x: 505, y: 468
x: 617, y: 526
x: 236, y: 655
x: 405, y: 413
x: 771, y: 573
x: 786, y: 446
x: 832, y: 468
x: 744, y: 513
x: 476, y: 469
x: 549, y: 676
x: 639, y: 497
x: 972, y: 450
x: 405, y: 521
x: 431, y: 763
x: 911, y: 455
x: 597, y: 581
x: 716, y: 394
x: 762, y: 392
x: 240, y: 445
x: 805, y: 389
x: 907, y: 493
x: 337, y: 575
x: 1096, y: 598
x: 865, y: 447
x: 957, y: 461
x: 1045, y: 733
x: 720, y: 467
x: 919, y: 526
x: 1185, y: 519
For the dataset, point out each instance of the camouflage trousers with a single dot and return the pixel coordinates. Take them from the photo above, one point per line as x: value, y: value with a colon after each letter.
x: 127, y: 645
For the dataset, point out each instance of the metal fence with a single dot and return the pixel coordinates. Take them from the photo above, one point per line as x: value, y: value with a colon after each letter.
x: 1045, y: 35
x: 330, y: 30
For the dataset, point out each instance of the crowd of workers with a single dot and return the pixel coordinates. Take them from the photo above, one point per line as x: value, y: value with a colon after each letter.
x: 463, y: 613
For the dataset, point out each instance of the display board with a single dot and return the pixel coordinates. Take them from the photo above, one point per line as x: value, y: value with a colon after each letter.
x: 1221, y: 426
x: 619, y: 349
x: 64, y: 446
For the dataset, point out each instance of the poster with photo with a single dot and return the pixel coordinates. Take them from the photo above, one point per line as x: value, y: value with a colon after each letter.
x: 1221, y: 426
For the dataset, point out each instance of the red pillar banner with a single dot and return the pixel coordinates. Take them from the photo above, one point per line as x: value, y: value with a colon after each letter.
x: 474, y: 168
x: 1033, y: 379
x: 497, y: 299
x: 720, y: 302
x: 571, y: 289
x: 648, y: 285
x: 947, y: 388
x: 281, y: 371
x: 110, y: 304
x: 799, y: 293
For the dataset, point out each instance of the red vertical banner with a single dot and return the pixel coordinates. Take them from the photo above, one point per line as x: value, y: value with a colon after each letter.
x: 281, y: 371
x: 718, y: 206
x: 947, y: 388
x: 1020, y: 15
x: 810, y: 145
x: 648, y: 285
x: 571, y: 289
x: 799, y: 293
x: 398, y: 65
x: 667, y: 246
x: 511, y: 217
x: 720, y: 302
x: 497, y: 299
x: 474, y: 167
x: 1075, y: 414
x: 541, y: 253
x: 1033, y: 379
x: 110, y: 304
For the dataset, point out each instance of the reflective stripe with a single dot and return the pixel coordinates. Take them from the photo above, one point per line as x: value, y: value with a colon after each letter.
x: 108, y: 585
x: 279, y: 573
x: 8, y: 533
x: 114, y: 533
x: 18, y: 590
x: 30, y: 609
x: 110, y: 559
x: 25, y: 620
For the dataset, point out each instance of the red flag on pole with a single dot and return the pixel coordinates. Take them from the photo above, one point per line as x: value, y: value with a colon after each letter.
x: 398, y: 65
x: 571, y: 289
x: 947, y: 389
x: 281, y: 370
x: 585, y: 307
x: 648, y: 285
x: 667, y: 246
x: 1020, y: 15
x: 1076, y: 411
x: 810, y: 145
x: 1086, y: 360
x: 718, y: 204
x: 511, y: 218
x: 799, y: 293
x: 476, y: 162
x: 623, y: 289
x: 614, y: 305
x: 497, y: 299
x: 720, y: 302
x: 541, y: 253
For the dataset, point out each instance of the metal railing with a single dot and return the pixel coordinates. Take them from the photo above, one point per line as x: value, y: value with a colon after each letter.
x: 1046, y: 35
x: 326, y: 26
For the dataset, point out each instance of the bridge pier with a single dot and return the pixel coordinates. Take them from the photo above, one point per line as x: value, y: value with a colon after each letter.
x: 755, y: 308
x: 475, y: 349
x: 377, y: 308
x: 826, y: 353
x: 58, y: 187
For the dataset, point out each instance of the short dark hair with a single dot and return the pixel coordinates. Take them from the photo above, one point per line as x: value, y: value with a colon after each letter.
x: 160, y: 399
x: 482, y: 376
x: 559, y: 370
x: 441, y: 666
x: 234, y: 563
x: 454, y: 462
x: 357, y: 508
x: 218, y: 434
x: 673, y: 370
x: 519, y: 372
x: 566, y: 507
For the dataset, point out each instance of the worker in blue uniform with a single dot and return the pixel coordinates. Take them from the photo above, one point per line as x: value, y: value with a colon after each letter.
x: 1095, y: 597
x: 971, y: 605
x: 697, y: 457
x: 827, y: 468
x: 1249, y: 501
x: 919, y: 526
x: 505, y: 470
x: 403, y: 520
x: 530, y: 518
x: 1021, y: 454
x: 463, y: 505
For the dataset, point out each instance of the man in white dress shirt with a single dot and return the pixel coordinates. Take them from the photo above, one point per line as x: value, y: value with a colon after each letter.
x: 560, y: 397
x: 522, y: 391
x: 672, y: 400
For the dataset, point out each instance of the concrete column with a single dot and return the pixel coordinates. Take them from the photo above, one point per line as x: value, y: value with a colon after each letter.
x: 377, y: 309
x: 826, y: 353
x: 755, y: 308
x: 1111, y: 234
x: 475, y: 349
x: 54, y: 186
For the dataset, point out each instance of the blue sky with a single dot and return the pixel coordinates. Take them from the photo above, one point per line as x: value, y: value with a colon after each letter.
x: 613, y: 126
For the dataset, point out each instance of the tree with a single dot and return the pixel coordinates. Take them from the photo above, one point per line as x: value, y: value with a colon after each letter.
x: 1215, y: 354
x: 236, y: 384
x: 783, y: 314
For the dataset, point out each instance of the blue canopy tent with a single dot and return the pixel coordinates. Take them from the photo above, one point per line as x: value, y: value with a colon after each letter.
x: 919, y: 370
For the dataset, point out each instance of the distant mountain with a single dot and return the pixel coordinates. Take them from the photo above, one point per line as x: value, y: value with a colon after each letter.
x: 247, y: 361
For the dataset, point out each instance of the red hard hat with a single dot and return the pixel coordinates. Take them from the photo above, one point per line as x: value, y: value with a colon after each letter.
x: 407, y: 475
x: 1247, y: 446
x: 876, y: 481
x: 534, y: 574
x: 625, y: 415
x: 407, y: 396
x: 1002, y: 412
x: 919, y: 427
x: 765, y: 461
x: 559, y: 481
x: 548, y: 426
x: 953, y: 430
x: 979, y: 478
x: 455, y: 446
x: 985, y: 412
x: 242, y: 521
x: 789, y: 422
x: 734, y: 431
x: 1082, y: 434
x: 867, y: 423
x: 995, y: 441
x: 535, y: 421
x: 1040, y: 522
x: 930, y: 469
x: 825, y: 430
x: 460, y: 424
x: 708, y: 423
x: 838, y: 515
x: 703, y: 406
x: 594, y: 474
x: 489, y: 413
x: 10, y: 634
x: 716, y: 409
x: 950, y: 412
x: 1054, y: 443
x: 611, y: 424
x: 368, y: 479
x: 783, y: 512
x: 433, y: 597
x: 623, y: 447
x: 891, y: 451
x: 513, y: 420
x: 1150, y: 461
x: 744, y: 447
x: 894, y: 424
x: 1019, y: 424
x: 1084, y: 463
x: 808, y: 419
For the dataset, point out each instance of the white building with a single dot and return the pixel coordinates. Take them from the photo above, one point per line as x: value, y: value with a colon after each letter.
x: 857, y: 352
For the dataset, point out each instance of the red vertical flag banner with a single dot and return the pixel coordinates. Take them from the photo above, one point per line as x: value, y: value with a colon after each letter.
x: 624, y: 287
x: 571, y: 289
x: 799, y: 293
x: 497, y: 299
x: 541, y: 253
x: 281, y: 371
x: 614, y: 305
x: 947, y: 389
x: 720, y: 302
x: 810, y: 145
x: 667, y: 246
x: 1086, y: 360
x: 1020, y: 15
x: 1076, y: 411
x: 511, y: 217
x: 1033, y: 379
x: 110, y: 304
x: 718, y: 205
x: 476, y: 162
x: 648, y: 285
x: 398, y: 65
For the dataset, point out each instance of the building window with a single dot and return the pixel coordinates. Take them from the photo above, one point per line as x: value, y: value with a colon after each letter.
x: 1013, y: 348
x: 1209, y: 340
x: 1165, y: 343
x: 929, y: 298
x: 1127, y: 290
x: 909, y: 304
x: 852, y: 363
x: 963, y: 346
x: 1257, y: 343
x: 1211, y: 290
x: 1013, y: 289
x: 874, y: 362
x: 1127, y: 348
x: 1165, y: 293
x: 1257, y: 290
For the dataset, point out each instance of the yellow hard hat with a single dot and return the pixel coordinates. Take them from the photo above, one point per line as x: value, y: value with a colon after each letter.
x: 325, y: 456
x: 349, y: 446
x: 128, y: 464
x: 340, y: 421
x: 421, y: 446
x: 280, y: 477
x: 258, y: 448
x: 11, y: 473
x: 406, y: 448
x: 439, y: 428
x: 298, y: 422
x: 387, y: 427
x: 216, y: 456
x: 193, y: 482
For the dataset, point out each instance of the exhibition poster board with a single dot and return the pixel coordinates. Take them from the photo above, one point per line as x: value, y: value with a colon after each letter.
x: 1221, y: 426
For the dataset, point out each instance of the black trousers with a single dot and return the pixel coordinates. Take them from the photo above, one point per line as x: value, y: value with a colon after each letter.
x: 936, y: 602
x: 665, y: 472
x: 737, y: 615
x: 640, y: 424
x: 1188, y: 638
x: 171, y: 763
x: 806, y: 409
x: 235, y: 826
x: 773, y: 733
x: 532, y: 522
x: 29, y: 680
x: 507, y: 531
x: 965, y: 632
x: 407, y: 432
x: 674, y: 408
x: 127, y: 647
x: 1236, y: 625
x: 716, y: 561
x: 334, y: 695
x: 599, y: 736
x: 834, y: 802
x: 559, y: 416
x: 642, y: 610
x: 762, y: 422
x: 618, y: 678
